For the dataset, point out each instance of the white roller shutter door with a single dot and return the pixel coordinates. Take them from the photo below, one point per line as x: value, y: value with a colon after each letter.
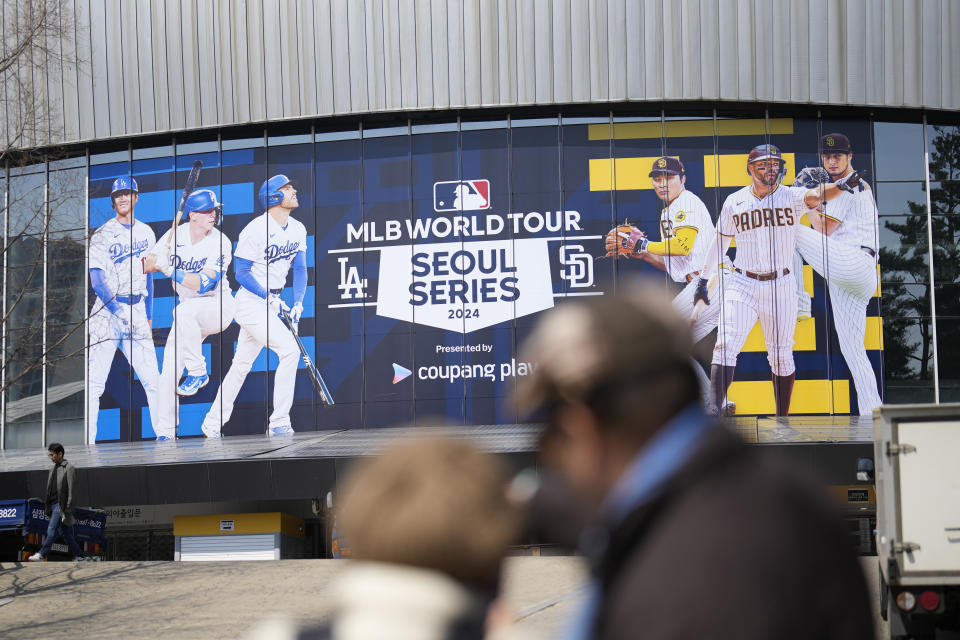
x: 258, y: 546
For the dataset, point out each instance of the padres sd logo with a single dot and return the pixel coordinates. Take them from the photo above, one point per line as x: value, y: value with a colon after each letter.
x: 830, y: 141
x: 662, y: 163
x: 680, y: 216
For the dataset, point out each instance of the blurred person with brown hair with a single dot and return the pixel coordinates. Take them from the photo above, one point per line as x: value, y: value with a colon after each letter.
x: 428, y: 524
x: 690, y: 533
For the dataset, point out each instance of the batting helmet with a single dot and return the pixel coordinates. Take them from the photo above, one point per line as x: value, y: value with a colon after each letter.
x: 270, y: 195
x: 768, y: 152
x: 201, y: 200
x: 124, y: 184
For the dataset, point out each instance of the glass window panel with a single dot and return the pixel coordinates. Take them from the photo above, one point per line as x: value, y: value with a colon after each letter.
x: 534, y: 122
x: 904, y: 392
x: 65, y: 390
x: 907, y: 350
x: 23, y: 432
x: 945, y: 197
x: 154, y: 152
x: 352, y: 134
x: 899, y: 150
x: 385, y: 132
x: 67, y: 193
x: 948, y: 345
x: 904, y: 299
x: 24, y: 294
x: 27, y: 169
x: 242, y: 143
x: 65, y: 354
x: 946, y: 249
x: 299, y: 138
x: 23, y: 366
x: 903, y: 249
x: 587, y: 120
x: 466, y: 125
x: 68, y: 163
x: 948, y: 302
x: 943, y: 145
x: 107, y: 158
x: 26, y: 213
x: 901, y: 197
x: 209, y: 146
x: 66, y: 280
x: 950, y: 392
x: 69, y: 431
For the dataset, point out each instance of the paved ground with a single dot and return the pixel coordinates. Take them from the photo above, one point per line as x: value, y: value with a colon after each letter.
x: 224, y: 599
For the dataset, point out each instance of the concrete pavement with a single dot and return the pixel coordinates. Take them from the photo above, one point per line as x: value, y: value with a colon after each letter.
x: 225, y: 599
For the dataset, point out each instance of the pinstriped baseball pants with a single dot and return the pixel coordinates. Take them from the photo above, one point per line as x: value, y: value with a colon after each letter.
x: 851, y: 276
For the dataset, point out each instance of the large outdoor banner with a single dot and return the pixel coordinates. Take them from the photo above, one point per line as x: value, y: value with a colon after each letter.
x: 349, y: 280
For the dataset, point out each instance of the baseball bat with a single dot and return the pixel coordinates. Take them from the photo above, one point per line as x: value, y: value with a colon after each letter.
x: 315, y: 377
x: 699, y: 307
x: 188, y: 188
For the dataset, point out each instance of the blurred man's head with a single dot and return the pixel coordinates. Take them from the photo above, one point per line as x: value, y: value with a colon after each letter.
x: 609, y: 374
x: 433, y: 503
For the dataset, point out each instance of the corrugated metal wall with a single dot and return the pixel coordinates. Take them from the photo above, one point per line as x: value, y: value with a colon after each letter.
x: 164, y: 65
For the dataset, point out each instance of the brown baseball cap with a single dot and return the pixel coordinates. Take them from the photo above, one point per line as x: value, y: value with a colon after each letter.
x: 835, y: 143
x: 667, y: 164
x: 582, y: 347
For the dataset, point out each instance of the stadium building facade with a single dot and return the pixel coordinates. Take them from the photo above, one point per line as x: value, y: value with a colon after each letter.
x: 457, y: 166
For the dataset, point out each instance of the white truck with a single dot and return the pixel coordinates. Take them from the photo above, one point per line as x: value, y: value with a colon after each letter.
x: 917, y: 459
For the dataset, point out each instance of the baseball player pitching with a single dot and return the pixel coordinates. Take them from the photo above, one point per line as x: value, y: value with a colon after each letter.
x: 195, y: 256
x: 122, y: 314
x: 764, y: 217
x: 686, y: 229
x: 842, y: 247
x: 268, y: 247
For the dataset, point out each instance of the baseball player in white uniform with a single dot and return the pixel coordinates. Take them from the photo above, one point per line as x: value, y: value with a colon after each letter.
x: 764, y: 218
x: 268, y: 247
x: 122, y: 314
x: 195, y: 256
x: 686, y: 229
x: 842, y: 247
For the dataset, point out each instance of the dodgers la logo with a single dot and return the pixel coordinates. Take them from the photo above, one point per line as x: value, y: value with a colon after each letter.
x: 461, y: 195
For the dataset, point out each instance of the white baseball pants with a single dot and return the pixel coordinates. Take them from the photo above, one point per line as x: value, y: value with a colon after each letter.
x: 851, y: 276
x: 745, y: 300
x: 259, y: 328
x: 103, y: 332
x: 708, y: 319
x: 193, y: 320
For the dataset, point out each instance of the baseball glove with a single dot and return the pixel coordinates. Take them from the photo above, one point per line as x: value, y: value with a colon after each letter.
x: 625, y: 240
x: 812, y: 177
x: 852, y: 182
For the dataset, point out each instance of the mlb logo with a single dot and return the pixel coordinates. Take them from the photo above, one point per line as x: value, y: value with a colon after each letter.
x: 461, y: 195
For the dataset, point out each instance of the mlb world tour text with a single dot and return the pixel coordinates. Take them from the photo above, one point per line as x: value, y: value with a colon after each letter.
x: 471, y: 274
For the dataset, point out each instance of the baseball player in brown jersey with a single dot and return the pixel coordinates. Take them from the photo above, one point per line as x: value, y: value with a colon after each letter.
x: 842, y: 247
x: 764, y: 217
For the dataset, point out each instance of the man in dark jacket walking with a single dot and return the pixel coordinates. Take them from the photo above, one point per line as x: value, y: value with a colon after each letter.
x: 690, y: 532
x: 61, y: 484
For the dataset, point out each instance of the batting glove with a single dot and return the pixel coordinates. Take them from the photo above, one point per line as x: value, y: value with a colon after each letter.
x: 701, y: 292
x: 295, y: 312
x: 277, y: 305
